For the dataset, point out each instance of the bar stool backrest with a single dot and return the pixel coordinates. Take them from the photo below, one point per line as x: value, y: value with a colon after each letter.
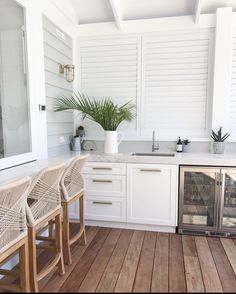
x: 72, y: 182
x: 44, y: 195
x: 13, y: 225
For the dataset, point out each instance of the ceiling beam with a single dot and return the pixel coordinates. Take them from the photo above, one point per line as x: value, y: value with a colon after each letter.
x: 115, y: 6
x: 198, y: 10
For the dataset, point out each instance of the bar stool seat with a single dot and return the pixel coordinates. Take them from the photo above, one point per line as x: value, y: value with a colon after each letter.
x: 44, y: 206
x: 72, y: 187
x: 13, y: 232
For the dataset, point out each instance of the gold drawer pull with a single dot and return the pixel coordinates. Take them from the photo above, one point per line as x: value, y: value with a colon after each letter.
x: 102, y: 181
x: 151, y: 170
x: 102, y: 203
x: 102, y: 168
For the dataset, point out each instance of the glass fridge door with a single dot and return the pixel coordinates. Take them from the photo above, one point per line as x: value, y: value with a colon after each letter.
x: 199, y: 198
x: 228, y: 201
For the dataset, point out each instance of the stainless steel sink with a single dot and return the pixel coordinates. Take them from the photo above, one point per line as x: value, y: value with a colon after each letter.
x: 154, y: 154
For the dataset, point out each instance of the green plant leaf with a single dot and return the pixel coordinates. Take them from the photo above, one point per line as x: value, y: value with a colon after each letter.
x: 217, y: 137
x: 104, y: 112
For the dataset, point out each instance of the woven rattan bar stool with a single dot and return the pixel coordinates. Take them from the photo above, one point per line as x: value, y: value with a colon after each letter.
x: 44, y: 205
x: 72, y: 186
x: 13, y: 233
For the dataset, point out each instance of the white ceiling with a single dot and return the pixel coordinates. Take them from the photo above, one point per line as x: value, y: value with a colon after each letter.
x: 96, y: 11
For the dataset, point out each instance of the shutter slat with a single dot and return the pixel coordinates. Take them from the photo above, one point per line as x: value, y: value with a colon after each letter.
x: 109, y: 68
x: 232, y: 113
x: 176, y: 83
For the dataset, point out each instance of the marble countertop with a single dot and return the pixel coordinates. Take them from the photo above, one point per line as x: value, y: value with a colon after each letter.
x: 32, y: 168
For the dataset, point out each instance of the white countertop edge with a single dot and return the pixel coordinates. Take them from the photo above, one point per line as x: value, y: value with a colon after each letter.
x: 200, y: 159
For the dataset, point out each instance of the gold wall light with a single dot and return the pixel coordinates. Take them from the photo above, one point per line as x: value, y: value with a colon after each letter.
x: 69, y: 70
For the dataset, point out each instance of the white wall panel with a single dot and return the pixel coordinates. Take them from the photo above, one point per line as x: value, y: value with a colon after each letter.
x: 109, y: 68
x: 233, y: 94
x: 57, y: 50
x: 176, y: 94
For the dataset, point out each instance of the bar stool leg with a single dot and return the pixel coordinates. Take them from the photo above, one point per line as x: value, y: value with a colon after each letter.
x: 59, y: 243
x: 24, y: 268
x: 50, y: 230
x: 33, y: 260
x: 82, y: 225
x: 66, y: 234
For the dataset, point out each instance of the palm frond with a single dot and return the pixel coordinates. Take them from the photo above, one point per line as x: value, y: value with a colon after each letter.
x: 104, y: 112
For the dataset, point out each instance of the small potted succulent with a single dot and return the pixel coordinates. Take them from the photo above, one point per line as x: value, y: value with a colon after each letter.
x: 219, y: 141
x: 186, y: 145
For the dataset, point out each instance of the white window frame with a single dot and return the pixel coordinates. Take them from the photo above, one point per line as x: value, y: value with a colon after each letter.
x: 35, y: 77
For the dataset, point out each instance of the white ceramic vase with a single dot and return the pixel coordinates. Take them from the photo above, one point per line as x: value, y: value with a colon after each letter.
x: 112, y: 141
x: 219, y: 147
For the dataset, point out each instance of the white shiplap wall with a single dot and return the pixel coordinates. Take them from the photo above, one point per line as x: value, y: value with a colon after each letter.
x: 176, y: 92
x: 57, y: 50
x: 166, y: 75
x: 109, y: 68
x: 233, y: 94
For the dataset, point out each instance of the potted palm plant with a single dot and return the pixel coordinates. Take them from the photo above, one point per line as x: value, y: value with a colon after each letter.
x: 219, y: 141
x: 104, y: 112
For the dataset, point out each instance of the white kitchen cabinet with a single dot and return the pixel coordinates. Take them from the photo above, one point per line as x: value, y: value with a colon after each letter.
x: 105, y: 168
x: 105, y: 185
x: 105, y: 191
x: 152, y: 194
x: 105, y: 209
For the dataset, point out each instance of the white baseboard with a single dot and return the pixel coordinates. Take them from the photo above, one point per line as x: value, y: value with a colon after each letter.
x: 153, y: 228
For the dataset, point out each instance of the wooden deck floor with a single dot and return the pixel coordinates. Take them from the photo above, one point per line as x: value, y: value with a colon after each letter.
x: 117, y: 260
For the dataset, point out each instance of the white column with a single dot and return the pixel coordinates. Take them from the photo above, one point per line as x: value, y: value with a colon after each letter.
x: 222, y: 68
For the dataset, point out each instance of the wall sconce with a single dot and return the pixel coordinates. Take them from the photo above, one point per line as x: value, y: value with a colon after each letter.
x: 69, y: 70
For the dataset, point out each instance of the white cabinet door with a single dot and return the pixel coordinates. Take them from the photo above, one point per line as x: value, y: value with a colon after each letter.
x: 105, y: 185
x: 105, y: 209
x: 152, y: 194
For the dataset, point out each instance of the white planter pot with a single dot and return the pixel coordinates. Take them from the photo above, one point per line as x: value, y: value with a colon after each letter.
x: 219, y: 147
x: 112, y: 142
x: 186, y: 148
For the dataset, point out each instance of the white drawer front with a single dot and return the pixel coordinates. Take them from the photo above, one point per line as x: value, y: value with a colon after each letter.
x: 105, y: 209
x: 105, y: 185
x: 103, y: 168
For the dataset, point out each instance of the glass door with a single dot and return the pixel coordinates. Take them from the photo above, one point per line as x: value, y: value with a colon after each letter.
x: 228, y: 201
x: 15, y: 119
x: 198, y: 198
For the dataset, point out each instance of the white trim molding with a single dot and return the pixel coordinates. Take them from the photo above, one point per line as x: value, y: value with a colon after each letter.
x: 115, y: 6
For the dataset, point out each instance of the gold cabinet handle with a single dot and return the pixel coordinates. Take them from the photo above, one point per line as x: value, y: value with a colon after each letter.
x: 102, y: 203
x: 102, y: 168
x: 102, y: 181
x: 151, y: 170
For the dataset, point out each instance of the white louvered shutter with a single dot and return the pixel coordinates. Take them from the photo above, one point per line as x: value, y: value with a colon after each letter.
x: 176, y: 95
x: 109, y: 68
x: 232, y: 117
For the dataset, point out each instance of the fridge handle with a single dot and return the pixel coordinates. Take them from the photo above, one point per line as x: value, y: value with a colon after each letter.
x: 217, y: 200
x: 221, y: 200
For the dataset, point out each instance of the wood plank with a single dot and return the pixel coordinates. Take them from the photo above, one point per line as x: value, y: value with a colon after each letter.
x: 193, y: 275
x: 56, y: 281
x: 128, y: 271
x: 111, y: 274
x: 225, y: 271
x: 189, y: 246
x: 161, y: 264
x: 177, y: 282
x: 145, y: 268
x: 79, y: 272
x: 209, y: 272
x: 230, y: 249
x: 96, y: 271
x: 192, y: 267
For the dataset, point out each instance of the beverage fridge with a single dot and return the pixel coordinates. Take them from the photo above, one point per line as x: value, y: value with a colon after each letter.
x: 207, y: 202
